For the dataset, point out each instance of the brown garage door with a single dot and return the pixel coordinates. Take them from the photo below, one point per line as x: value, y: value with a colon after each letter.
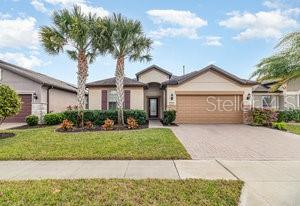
x: 25, y: 110
x: 209, y: 109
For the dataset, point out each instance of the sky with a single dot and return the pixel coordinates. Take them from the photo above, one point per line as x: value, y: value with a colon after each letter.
x: 232, y: 34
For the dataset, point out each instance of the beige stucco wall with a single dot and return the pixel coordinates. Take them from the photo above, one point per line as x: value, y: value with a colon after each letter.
x: 59, y: 100
x: 136, y: 97
x: 207, y: 82
x: 153, y: 75
x: 22, y: 85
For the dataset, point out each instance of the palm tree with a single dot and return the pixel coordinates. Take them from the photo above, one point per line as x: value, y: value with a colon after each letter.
x: 282, y: 66
x: 128, y: 42
x: 85, y: 34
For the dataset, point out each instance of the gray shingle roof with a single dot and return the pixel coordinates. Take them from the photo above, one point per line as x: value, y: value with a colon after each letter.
x: 183, y: 78
x: 154, y: 67
x: 261, y: 88
x: 112, y: 82
x: 38, y: 77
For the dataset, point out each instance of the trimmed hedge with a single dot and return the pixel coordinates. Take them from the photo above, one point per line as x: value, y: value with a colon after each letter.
x: 98, y: 117
x: 53, y: 118
x: 289, y: 115
x: 139, y: 115
x: 169, y: 117
x: 32, y: 120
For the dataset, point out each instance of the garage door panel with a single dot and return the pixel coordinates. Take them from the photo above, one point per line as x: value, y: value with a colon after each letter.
x: 199, y: 109
x: 26, y: 108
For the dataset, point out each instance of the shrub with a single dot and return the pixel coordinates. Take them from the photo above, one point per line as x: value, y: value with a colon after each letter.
x: 279, y: 125
x: 139, y: 115
x: 53, y: 118
x: 108, y: 124
x: 289, y: 115
x: 262, y: 117
x: 88, y: 125
x: 71, y: 116
x: 32, y: 120
x: 132, y: 123
x: 169, y: 117
x: 97, y: 117
x: 66, y: 125
x: 10, y: 102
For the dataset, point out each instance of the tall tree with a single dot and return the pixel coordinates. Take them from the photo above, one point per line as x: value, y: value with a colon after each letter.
x: 128, y: 42
x: 284, y: 65
x: 82, y: 36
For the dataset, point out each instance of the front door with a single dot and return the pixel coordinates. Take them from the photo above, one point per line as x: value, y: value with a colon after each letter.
x: 153, y: 107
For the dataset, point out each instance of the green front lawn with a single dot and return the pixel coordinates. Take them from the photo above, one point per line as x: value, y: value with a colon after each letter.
x: 46, y: 144
x: 293, y: 128
x: 120, y: 192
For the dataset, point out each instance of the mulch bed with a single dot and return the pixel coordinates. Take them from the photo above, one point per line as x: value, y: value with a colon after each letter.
x: 98, y: 128
x: 6, y: 135
x: 170, y: 125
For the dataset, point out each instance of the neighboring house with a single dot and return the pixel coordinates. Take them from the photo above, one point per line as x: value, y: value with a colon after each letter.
x: 210, y: 95
x: 40, y: 94
x: 286, y: 97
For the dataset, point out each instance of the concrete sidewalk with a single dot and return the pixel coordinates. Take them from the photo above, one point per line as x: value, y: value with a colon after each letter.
x: 136, y: 169
x: 266, y: 182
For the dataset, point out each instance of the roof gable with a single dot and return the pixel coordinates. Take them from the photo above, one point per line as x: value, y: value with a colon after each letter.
x: 213, y: 68
x: 37, y: 77
x: 154, y: 67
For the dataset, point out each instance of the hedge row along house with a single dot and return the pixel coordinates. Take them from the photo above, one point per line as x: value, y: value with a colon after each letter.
x: 208, y: 95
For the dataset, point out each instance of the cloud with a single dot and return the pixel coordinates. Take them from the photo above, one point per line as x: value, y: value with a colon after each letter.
x: 213, y: 41
x: 263, y: 24
x: 39, y: 6
x: 19, y: 32
x: 174, y: 32
x: 85, y: 7
x: 157, y: 43
x: 99, y: 11
x: 22, y: 60
x: 274, y: 4
x: 4, y: 15
x: 179, y: 23
x: 65, y: 2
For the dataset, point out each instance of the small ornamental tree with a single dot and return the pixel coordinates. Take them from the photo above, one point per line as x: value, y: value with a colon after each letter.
x: 10, y: 102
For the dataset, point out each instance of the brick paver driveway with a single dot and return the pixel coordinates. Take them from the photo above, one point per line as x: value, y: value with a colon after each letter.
x: 238, y: 142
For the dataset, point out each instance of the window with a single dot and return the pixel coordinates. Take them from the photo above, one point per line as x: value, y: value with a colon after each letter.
x: 266, y: 101
x: 112, y: 99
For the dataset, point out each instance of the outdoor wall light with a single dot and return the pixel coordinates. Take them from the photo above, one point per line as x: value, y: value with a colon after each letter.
x: 35, y: 96
x: 248, y: 96
x: 172, y: 97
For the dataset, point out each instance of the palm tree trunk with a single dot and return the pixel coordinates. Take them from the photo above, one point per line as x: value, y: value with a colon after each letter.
x: 82, y: 75
x: 120, y: 89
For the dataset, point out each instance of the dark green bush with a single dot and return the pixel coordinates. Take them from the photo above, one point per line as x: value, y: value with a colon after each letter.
x: 102, y: 115
x: 71, y: 116
x: 139, y: 115
x: 262, y: 117
x: 97, y: 117
x: 169, y: 117
x: 53, y: 118
x: 289, y: 115
x: 279, y: 125
x: 32, y: 120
